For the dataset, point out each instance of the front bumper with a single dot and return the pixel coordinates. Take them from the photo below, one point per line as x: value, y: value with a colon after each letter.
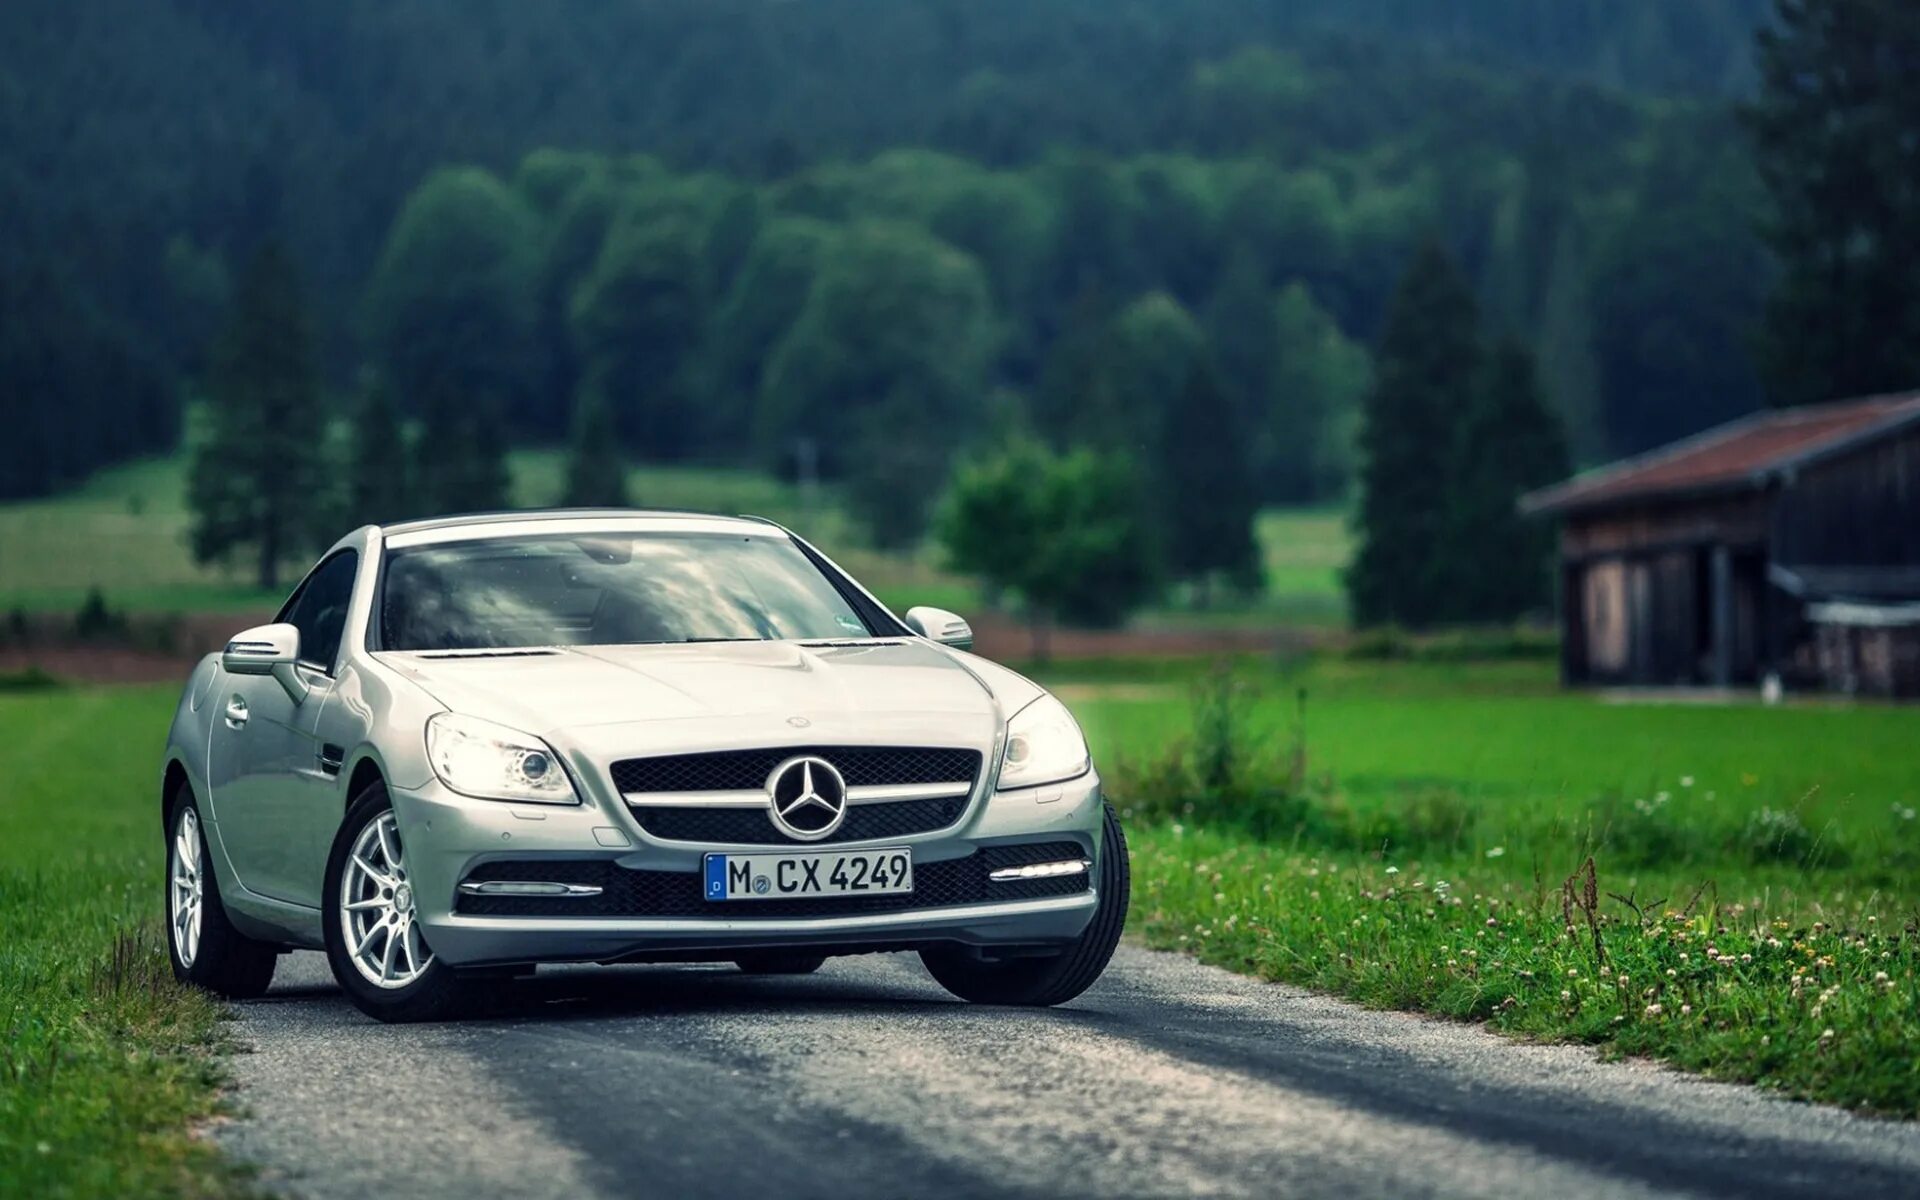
x: 449, y: 836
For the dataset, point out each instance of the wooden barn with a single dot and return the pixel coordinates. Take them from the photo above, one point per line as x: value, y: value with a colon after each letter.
x: 1785, y: 543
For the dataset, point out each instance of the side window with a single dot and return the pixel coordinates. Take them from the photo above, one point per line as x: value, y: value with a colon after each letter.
x: 319, y: 609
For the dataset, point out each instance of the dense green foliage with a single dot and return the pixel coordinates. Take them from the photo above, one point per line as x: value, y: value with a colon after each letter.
x: 1079, y: 155
x: 1834, y: 125
x: 1063, y: 532
x: 257, y: 470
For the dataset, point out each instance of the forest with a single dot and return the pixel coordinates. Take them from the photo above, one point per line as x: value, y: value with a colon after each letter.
x: 722, y: 206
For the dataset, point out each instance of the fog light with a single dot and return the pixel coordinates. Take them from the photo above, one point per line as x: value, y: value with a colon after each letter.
x: 527, y: 887
x: 1052, y: 870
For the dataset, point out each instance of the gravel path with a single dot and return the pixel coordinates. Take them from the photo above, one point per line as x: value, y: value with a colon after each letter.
x: 1167, y: 1079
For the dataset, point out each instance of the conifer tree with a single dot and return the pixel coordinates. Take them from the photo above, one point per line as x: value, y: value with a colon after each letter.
x: 1207, y: 498
x: 1834, y: 129
x: 379, y: 479
x: 460, y: 458
x: 257, y: 468
x: 1510, y: 442
x: 596, y: 468
x: 1426, y: 373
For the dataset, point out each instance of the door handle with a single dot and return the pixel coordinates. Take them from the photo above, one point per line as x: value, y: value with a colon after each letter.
x: 236, y: 712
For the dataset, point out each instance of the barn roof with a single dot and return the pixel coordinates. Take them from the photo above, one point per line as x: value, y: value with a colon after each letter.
x: 1741, y: 455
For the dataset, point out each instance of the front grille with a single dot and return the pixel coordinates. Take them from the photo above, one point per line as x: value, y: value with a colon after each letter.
x: 751, y: 826
x: 625, y: 893
x: 746, y: 770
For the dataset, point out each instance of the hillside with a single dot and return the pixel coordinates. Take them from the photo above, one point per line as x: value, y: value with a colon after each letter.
x: 151, y: 144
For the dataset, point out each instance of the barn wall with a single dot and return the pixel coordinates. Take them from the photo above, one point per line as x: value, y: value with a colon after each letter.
x: 1734, y: 520
x: 1641, y: 581
x: 1859, y: 510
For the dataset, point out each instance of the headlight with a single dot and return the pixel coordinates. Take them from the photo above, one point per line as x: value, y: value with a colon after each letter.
x: 491, y: 762
x: 1043, y: 746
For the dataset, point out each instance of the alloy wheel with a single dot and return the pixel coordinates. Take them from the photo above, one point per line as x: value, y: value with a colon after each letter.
x: 377, y: 910
x: 185, y: 890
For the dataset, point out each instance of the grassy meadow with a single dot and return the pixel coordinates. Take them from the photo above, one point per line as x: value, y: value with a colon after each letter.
x: 107, y: 1065
x: 125, y: 532
x: 1418, y: 835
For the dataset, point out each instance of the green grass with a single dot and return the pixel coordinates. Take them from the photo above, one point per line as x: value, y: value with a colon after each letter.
x: 1820, y: 1009
x: 1786, y: 835
x: 1303, y: 552
x: 107, y: 1064
x: 124, y: 531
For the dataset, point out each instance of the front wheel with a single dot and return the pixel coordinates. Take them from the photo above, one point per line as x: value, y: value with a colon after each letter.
x: 378, y: 953
x: 1056, y: 979
x: 205, y: 948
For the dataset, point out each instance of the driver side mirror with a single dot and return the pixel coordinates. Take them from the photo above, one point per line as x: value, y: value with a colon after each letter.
x: 267, y: 650
x: 939, y: 625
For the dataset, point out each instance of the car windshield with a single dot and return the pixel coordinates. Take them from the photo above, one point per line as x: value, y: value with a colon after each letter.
x: 608, y: 589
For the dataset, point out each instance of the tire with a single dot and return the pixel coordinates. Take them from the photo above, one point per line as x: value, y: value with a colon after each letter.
x: 780, y: 962
x: 204, y: 947
x: 1058, y: 978
x: 385, y: 933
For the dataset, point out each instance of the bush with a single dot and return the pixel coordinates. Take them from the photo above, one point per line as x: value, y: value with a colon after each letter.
x: 1424, y: 821
x: 1218, y: 774
x: 32, y: 679
x: 1223, y: 776
x: 1475, y: 644
x: 1778, y: 835
x: 1644, y: 833
x: 95, y: 620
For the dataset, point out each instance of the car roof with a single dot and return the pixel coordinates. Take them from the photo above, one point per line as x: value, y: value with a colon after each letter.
x: 518, y: 515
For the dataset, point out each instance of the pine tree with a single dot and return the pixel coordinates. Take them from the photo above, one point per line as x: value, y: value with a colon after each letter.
x: 1426, y: 373
x: 1568, y: 363
x: 256, y: 469
x: 379, y: 476
x: 1239, y: 324
x: 1075, y: 389
x: 1207, y: 494
x: 1833, y: 126
x: 1302, y: 442
x: 460, y: 461
x: 596, y: 469
x: 1509, y: 443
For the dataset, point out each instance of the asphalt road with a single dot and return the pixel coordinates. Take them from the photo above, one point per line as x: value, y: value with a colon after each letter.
x: 1167, y: 1079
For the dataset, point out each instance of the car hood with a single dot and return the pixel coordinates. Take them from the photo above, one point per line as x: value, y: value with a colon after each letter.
x: 826, y: 687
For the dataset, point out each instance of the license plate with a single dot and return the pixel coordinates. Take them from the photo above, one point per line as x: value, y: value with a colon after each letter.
x: 799, y: 876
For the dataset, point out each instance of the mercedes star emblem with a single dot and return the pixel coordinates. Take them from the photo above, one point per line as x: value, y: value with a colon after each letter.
x: 806, y: 798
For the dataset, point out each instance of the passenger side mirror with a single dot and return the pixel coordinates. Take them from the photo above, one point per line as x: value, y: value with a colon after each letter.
x: 939, y: 625
x: 267, y: 650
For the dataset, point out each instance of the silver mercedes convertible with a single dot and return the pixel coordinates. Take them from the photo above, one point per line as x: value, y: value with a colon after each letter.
x: 472, y: 745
